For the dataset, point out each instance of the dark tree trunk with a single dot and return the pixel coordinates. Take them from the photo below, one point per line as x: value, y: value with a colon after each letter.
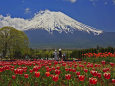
x: 5, y: 50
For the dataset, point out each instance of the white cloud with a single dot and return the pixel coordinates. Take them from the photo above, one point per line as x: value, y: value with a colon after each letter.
x: 105, y: 3
x: 23, y: 1
x: 93, y: 2
x: 72, y: 1
x: 113, y: 1
x: 27, y: 10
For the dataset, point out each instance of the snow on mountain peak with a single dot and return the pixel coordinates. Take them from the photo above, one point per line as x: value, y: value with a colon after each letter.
x: 48, y: 20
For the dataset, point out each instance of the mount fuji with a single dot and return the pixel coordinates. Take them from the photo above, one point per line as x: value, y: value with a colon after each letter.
x: 49, y: 29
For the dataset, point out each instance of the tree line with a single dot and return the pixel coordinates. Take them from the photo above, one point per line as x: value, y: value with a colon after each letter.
x: 14, y: 44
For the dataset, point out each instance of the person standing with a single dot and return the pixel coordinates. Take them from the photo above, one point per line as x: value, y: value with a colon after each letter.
x: 55, y: 55
x: 60, y: 54
x: 64, y: 55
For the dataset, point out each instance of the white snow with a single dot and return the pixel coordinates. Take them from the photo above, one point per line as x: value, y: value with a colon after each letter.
x: 47, y: 20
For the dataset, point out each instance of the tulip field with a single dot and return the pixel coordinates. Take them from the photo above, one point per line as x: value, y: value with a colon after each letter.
x: 56, y: 73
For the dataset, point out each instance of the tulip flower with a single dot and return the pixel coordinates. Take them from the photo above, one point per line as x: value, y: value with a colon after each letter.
x: 70, y: 69
x: 68, y: 76
x: 96, y: 65
x: 53, y: 68
x: 66, y: 69
x: 74, y: 70
x: 99, y: 75
x: 49, y: 64
x: 1, y: 69
x: 20, y: 71
x: 77, y: 73
x: 31, y: 70
x: 35, y: 68
x: 75, y: 65
x: 47, y: 74
x: 84, y: 63
x: 112, y: 64
x: 37, y: 74
x: 6, y: 67
x: 103, y: 62
x: 13, y: 77
x: 94, y: 73
x: 85, y: 70
x: 55, y: 78
x: 63, y: 64
x: 58, y: 67
x: 107, y: 75
x: 26, y: 75
x: 81, y: 77
x: 57, y: 71
x: 113, y: 81
x: 92, y: 81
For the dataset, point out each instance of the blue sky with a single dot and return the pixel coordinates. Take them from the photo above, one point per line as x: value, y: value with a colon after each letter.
x: 96, y: 13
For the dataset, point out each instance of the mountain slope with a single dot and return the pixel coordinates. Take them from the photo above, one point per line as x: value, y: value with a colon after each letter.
x: 78, y: 39
x: 49, y: 21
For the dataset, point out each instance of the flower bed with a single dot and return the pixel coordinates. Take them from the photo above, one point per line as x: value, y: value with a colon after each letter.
x: 53, y: 73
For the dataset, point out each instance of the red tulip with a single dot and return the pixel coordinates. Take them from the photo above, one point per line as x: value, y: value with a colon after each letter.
x: 31, y: 70
x: 47, y: 74
x: 55, y: 62
x: 20, y: 71
x: 81, y: 77
x: 84, y: 63
x: 37, y: 74
x: 36, y: 68
x: 70, y: 69
x: 94, y: 73
x: 66, y: 69
x: 99, y: 75
x: 26, y: 75
x: 70, y: 65
x: 53, y: 68
x: 113, y: 81
x: 77, y: 73
x: 99, y: 65
x: 24, y: 70
x: 13, y: 77
x: 57, y: 71
x: 96, y: 65
x: 68, y: 76
x: 75, y: 65
x: 55, y: 78
x: 6, y: 67
x: 79, y: 62
x: 85, y: 70
x: 93, y: 81
x: 105, y: 69
x: 58, y: 67
x: 50, y: 69
x: 49, y: 64
x: 103, y: 62
x: 63, y: 64
x: 1, y: 69
x: 107, y: 75
x: 15, y: 71
x: 74, y: 70
x: 112, y: 64
x: 12, y: 69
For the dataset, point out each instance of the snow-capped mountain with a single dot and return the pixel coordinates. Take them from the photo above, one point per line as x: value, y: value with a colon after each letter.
x: 49, y: 29
x: 49, y: 21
